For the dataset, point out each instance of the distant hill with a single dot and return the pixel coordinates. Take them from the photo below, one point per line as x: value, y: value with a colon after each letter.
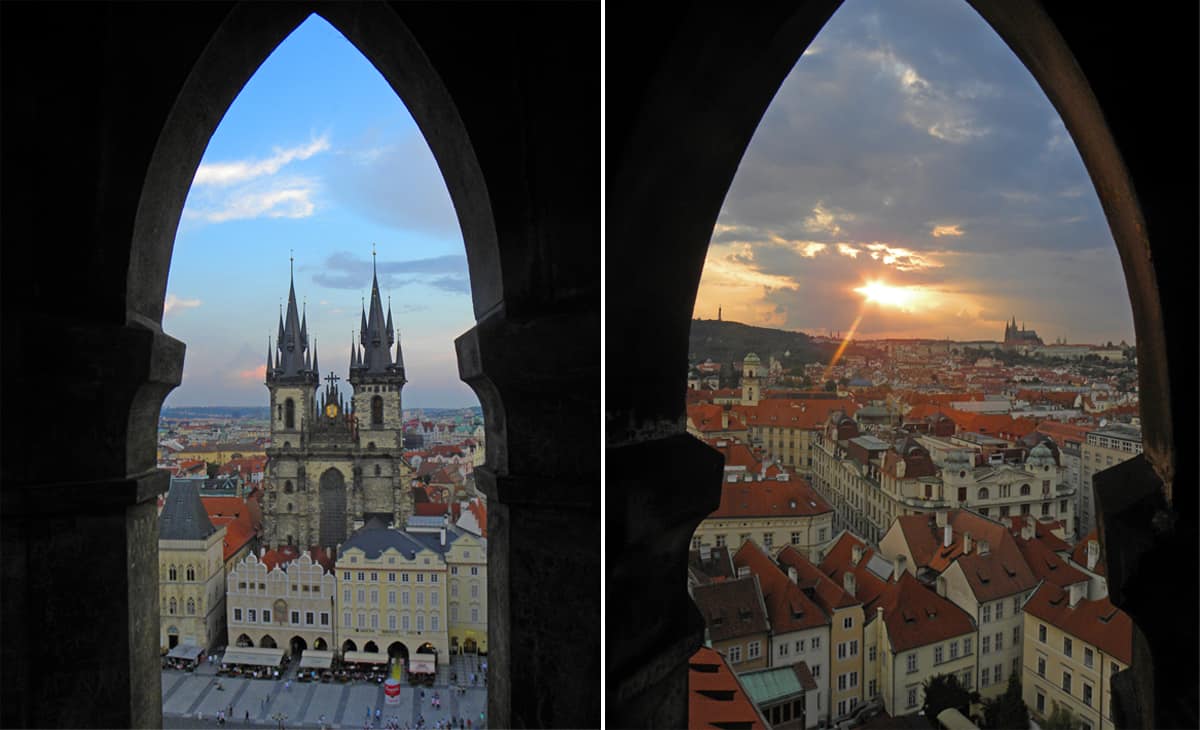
x: 726, y: 342
x: 259, y: 412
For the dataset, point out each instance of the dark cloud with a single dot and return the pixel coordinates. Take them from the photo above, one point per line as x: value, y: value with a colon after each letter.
x: 905, y: 116
x: 343, y: 270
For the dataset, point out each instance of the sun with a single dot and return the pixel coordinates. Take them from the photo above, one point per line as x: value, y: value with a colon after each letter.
x: 889, y: 296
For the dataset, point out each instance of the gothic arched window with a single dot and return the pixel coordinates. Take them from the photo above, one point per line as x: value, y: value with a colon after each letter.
x: 289, y: 418
x: 191, y: 604
x: 983, y: 493
x: 172, y: 574
x: 172, y: 607
x: 377, y: 411
x: 287, y: 487
x: 1024, y: 490
x: 191, y: 573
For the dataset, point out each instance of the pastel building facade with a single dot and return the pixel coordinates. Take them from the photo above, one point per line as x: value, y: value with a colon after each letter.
x: 191, y: 577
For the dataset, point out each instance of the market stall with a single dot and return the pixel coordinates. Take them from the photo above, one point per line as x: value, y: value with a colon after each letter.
x: 183, y: 656
x: 313, y: 664
x: 365, y: 665
x: 256, y: 663
x: 422, y: 669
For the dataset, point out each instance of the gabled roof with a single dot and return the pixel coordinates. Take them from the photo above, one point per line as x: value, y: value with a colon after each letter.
x: 374, y: 539
x: 1098, y: 623
x: 801, y: 413
x: 1079, y: 553
x: 716, y: 699
x: 840, y: 560
x: 1002, y: 572
x: 710, y: 564
x: 732, y: 608
x: 737, y: 454
x: 787, y: 606
x: 916, y: 615
x: 1046, y: 563
x: 183, y: 515
x: 792, y: 498
x: 1043, y: 531
x: 826, y: 593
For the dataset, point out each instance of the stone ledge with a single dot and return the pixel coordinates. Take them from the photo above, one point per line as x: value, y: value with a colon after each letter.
x: 21, y: 500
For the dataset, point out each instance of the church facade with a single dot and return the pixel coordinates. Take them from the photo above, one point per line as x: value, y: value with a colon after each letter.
x: 1020, y: 339
x: 333, y: 464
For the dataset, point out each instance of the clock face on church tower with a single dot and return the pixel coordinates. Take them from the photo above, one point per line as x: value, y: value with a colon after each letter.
x: 331, y: 410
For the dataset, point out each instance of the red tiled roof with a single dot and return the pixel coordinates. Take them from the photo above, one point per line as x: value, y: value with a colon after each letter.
x: 1062, y: 432
x: 715, y: 697
x: 1046, y: 563
x: 787, y: 606
x: 840, y: 560
x: 916, y: 615
x: 1079, y: 553
x: 707, y: 418
x: 287, y: 553
x: 827, y: 593
x: 1043, y: 532
x: 793, y: 498
x: 1098, y: 623
x: 793, y: 412
x: 736, y: 454
x: 242, y: 520
x: 479, y: 509
x: 1002, y: 572
x: 429, y: 509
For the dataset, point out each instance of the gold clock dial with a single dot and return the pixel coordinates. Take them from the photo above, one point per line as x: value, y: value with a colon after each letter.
x: 331, y: 410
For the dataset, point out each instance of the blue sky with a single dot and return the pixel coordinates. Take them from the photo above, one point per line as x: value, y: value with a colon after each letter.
x: 316, y: 155
x: 910, y: 146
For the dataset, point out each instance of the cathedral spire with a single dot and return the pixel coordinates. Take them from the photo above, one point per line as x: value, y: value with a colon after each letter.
x: 315, y: 367
x: 293, y: 357
x: 377, y: 357
x: 270, y: 361
x: 391, y: 332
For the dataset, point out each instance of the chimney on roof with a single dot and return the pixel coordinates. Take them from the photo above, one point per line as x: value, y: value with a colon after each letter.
x: 850, y: 583
x: 941, y: 518
x: 941, y: 586
x: 1077, y: 592
x: 1093, y: 554
x: 1029, y: 529
x: 948, y: 534
x: 856, y: 554
x: 793, y: 576
x: 743, y: 571
x: 967, y: 543
x: 724, y: 419
x: 984, y: 547
x: 899, y: 566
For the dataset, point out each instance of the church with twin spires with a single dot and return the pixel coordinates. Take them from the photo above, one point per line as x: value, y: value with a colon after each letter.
x: 334, y: 464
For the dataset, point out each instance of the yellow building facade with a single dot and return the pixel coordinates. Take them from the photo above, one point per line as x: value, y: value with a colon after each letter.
x: 466, y: 565
x: 191, y: 577
x: 1073, y: 647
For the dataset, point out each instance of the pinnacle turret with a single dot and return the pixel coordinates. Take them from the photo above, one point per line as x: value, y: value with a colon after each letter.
x: 315, y: 367
x: 293, y: 359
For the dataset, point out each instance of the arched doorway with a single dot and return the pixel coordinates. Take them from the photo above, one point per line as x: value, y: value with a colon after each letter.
x: 333, y: 507
x: 244, y: 640
x: 320, y: 645
x: 268, y: 642
x: 470, y: 646
x: 371, y: 647
x: 397, y: 650
x: 297, y: 645
x: 172, y: 637
x: 349, y: 645
x: 427, y: 648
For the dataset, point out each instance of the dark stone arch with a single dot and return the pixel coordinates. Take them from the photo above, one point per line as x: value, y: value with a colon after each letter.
x: 267, y: 642
x: 349, y: 645
x: 371, y: 647
x: 397, y: 649
x: 508, y: 137
x: 320, y: 644
x: 297, y: 645
x: 289, y: 413
x: 245, y: 640
x: 682, y: 108
x: 376, y: 410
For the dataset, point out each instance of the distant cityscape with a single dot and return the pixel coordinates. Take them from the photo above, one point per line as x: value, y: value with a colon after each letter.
x: 902, y: 514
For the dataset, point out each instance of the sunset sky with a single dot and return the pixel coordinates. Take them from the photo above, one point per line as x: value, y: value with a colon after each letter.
x: 909, y: 155
x: 306, y: 159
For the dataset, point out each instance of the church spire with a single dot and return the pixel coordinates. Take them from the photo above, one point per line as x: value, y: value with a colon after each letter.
x: 391, y: 332
x: 293, y: 360
x: 315, y: 367
x: 270, y: 361
x: 376, y: 341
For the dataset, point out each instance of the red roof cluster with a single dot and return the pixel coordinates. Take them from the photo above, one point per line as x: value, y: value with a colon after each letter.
x: 916, y: 615
x: 787, y: 606
x: 242, y: 519
x: 794, y: 412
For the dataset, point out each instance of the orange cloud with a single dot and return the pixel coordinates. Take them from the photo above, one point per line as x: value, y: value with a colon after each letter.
x: 939, y: 231
x: 254, y: 374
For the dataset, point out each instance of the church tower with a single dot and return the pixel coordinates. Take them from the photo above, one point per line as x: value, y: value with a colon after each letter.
x: 292, y: 378
x: 751, y: 380
x: 378, y: 377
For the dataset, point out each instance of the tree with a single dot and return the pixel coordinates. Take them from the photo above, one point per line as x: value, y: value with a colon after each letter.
x: 1008, y: 710
x: 1061, y: 718
x: 944, y: 690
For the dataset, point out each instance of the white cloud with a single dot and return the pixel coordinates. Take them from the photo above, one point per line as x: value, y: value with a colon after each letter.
x: 281, y: 199
x: 902, y: 259
x: 825, y: 220
x: 222, y: 174
x: 174, y: 303
x: 847, y: 250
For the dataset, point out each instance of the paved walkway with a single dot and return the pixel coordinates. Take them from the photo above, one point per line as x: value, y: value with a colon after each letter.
x: 193, y: 699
